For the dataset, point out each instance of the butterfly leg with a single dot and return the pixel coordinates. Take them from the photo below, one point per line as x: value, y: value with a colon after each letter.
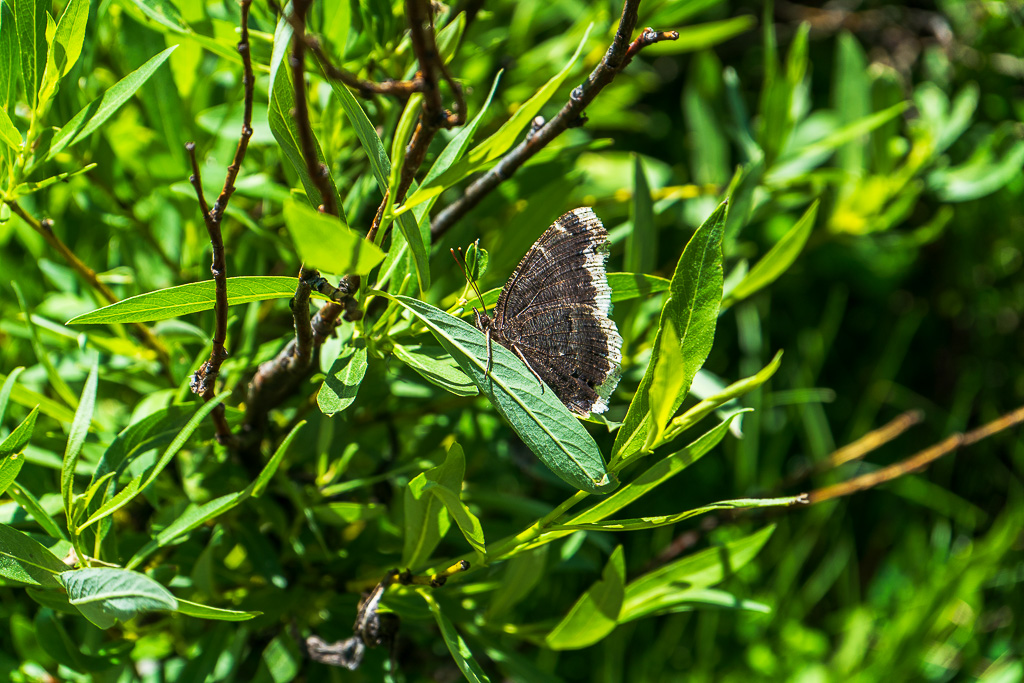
x: 487, y: 338
x: 519, y: 353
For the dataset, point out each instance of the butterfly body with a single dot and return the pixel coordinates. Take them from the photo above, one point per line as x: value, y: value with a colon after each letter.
x: 554, y: 313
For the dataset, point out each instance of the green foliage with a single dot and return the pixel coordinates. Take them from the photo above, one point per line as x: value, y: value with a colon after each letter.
x: 871, y: 230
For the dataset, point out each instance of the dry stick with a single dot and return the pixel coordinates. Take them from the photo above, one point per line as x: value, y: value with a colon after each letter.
x: 204, y: 381
x: 871, y: 441
x: 45, y: 228
x: 363, y: 87
x: 854, y: 451
x: 619, y: 54
x: 919, y: 460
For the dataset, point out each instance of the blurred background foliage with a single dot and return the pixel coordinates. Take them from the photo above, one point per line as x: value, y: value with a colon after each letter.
x: 904, y: 119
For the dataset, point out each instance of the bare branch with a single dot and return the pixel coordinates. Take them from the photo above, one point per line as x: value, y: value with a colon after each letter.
x: 619, y: 54
x: 45, y: 228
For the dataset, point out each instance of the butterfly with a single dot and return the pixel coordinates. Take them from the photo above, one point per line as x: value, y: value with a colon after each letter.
x: 553, y: 313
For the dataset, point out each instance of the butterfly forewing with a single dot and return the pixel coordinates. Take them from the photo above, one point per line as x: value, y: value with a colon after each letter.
x: 554, y: 311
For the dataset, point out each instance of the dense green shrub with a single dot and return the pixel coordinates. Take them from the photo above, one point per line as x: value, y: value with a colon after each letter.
x: 865, y: 267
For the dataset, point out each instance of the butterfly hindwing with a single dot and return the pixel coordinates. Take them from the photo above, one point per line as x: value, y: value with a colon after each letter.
x: 554, y: 310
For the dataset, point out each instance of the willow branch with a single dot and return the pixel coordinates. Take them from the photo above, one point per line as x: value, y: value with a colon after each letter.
x: 45, y: 228
x: 619, y: 54
x: 204, y: 381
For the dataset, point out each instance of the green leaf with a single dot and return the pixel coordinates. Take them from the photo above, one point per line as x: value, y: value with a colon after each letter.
x: 660, y: 588
x: 341, y: 385
x: 23, y: 497
x: 446, y: 159
x: 426, y: 518
x: 653, y: 522
x: 642, y: 241
x: 76, y: 439
x: 6, y: 389
x: 503, y: 139
x: 596, y: 613
x: 174, y: 302
x: 535, y: 413
x: 10, y: 59
x: 282, y: 121
x: 96, y: 113
x: 194, y: 609
x: 658, y: 473
x: 105, y: 595
x: 381, y: 167
x: 446, y: 485
x: 778, y: 259
x: 25, y: 560
x: 437, y: 367
x: 704, y: 36
x: 24, y: 189
x: 8, y: 133
x: 12, y: 447
x: 698, y: 412
x: 263, y: 479
x: 522, y: 573
x: 456, y: 645
x: 66, y: 47
x: 981, y: 175
x: 30, y: 18
x: 56, y: 380
x: 325, y: 243
x: 141, y: 482
x: 691, y: 309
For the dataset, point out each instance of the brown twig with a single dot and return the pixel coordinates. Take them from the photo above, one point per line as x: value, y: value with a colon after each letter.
x: 45, y: 228
x: 204, y: 381
x: 919, y: 460
x: 859, y: 448
x: 619, y: 54
x: 365, y: 88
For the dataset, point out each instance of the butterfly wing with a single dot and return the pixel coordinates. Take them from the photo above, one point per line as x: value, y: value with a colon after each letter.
x: 555, y: 310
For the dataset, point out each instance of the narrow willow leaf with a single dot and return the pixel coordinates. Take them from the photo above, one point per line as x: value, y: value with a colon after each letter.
x: 503, y: 139
x: 7, y: 388
x: 24, y: 189
x: 381, y: 167
x: 66, y: 46
x: 105, y: 595
x: 734, y: 390
x: 177, y: 301
x: 95, y: 114
x: 23, y: 497
x: 522, y: 573
x: 194, y: 609
x: 76, y: 439
x: 424, y: 197
x: 500, y: 142
x: 11, y: 448
x: 8, y: 133
x: 467, y: 522
x: 852, y: 131
x: 341, y: 385
x: 141, y: 482
x: 30, y: 18
x: 658, y: 473
x: 596, y: 613
x: 325, y: 243
x: 692, y: 310
x: 456, y: 645
x: 10, y: 59
x: 25, y: 560
x: 638, y: 523
x: 197, y: 515
x: 778, y: 259
x: 651, y: 591
x: 437, y: 367
x: 426, y: 518
x: 707, y: 35
x: 282, y: 121
x: 642, y: 241
x: 535, y: 413
x: 687, y: 600
x: 56, y: 380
